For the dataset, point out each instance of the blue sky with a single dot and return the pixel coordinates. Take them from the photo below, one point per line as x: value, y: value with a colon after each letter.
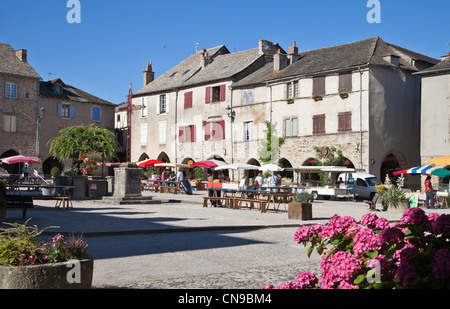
x: 115, y: 39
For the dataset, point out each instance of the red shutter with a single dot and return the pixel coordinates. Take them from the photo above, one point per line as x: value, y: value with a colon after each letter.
x: 188, y: 99
x: 222, y: 131
x: 208, y: 95
x: 180, y: 134
x: 207, y: 131
x: 222, y: 92
x: 192, y: 133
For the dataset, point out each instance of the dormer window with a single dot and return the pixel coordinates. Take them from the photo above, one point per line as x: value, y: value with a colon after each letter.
x: 58, y: 89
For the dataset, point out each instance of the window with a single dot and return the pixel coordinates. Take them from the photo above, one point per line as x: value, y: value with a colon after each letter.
x: 291, y: 127
x: 345, y: 122
x: 144, y: 134
x: 247, y: 96
x: 65, y: 110
x: 248, y: 131
x: 215, y: 131
x: 144, y: 107
x: 9, y: 123
x: 318, y: 124
x: 11, y: 91
x: 58, y: 89
x: 96, y: 113
x: 162, y: 104
x: 318, y: 85
x: 345, y: 82
x: 292, y: 90
x: 186, y: 134
x: 162, y: 132
x: 215, y: 94
x: 188, y: 99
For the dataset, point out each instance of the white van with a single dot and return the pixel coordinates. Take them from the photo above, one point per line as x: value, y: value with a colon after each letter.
x: 364, y: 184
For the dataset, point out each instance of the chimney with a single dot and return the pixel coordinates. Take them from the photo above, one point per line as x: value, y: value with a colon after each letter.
x: 280, y: 61
x: 149, y: 75
x: 204, y: 58
x: 293, y: 53
x: 266, y: 47
x: 22, y: 55
x: 446, y: 57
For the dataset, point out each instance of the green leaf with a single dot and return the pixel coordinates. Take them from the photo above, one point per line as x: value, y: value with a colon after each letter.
x: 372, y: 254
x: 359, y: 279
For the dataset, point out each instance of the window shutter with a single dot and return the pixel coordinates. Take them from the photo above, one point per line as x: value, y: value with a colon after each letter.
x: 287, y: 128
x: 294, y: 127
x: 208, y: 95
x: 58, y: 109
x: 222, y: 131
x: 322, y: 124
x: 319, y: 85
x: 192, y: 133
x: 345, y: 82
x: 72, y: 111
x: 207, y: 131
x: 222, y: 92
x: 13, y: 124
x: 188, y: 99
x: 341, y: 122
x: 181, y: 134
x: 348, y: 121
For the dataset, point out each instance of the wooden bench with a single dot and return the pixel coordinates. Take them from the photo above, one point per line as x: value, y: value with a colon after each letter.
x: 262, y: 203
x: 19, y: 201
x: 372, y: 204
x: 212, y: 198
x: 168, y: 189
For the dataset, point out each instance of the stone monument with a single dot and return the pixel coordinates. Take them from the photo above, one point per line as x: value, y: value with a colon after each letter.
x: 127, y: 187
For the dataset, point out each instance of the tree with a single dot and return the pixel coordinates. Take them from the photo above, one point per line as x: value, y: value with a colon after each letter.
x: 270, y: 150
x: 76, y: 140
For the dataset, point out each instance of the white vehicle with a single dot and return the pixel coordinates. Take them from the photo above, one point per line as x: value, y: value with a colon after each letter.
x: 364, y: 184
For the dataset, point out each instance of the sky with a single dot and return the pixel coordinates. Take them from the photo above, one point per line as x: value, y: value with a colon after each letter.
x: 115, y: 39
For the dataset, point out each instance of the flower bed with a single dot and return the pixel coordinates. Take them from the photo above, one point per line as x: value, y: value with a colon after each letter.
x: 412, y: 253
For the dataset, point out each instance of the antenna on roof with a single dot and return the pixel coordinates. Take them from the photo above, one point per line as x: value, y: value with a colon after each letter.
x: 196, y: 47
x: 50, y: 74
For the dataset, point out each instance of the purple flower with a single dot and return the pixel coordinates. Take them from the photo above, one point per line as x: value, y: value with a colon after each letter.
x: 392, y: 235
x: 414, y: 216
x: 442, y: 225
x: 441, y: 268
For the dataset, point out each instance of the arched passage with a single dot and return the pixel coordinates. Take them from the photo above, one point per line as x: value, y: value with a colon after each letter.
x: 49, y: 163
x: 163, y: 157
x: 143, y: 156
x: 286, y: 174
x: 11, y: 168
x: 392, y: 162
x: 252, y: 173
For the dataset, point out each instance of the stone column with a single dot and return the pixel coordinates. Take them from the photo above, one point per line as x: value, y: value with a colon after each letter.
x: 127, y: 180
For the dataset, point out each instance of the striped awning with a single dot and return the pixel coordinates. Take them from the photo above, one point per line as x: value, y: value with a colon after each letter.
x: 426, y: 170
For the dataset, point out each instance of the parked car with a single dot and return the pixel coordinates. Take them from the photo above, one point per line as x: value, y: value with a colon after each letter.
x: 364, y: 184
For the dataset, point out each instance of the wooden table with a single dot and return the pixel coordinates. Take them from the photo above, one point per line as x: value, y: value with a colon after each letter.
x: 63, y: 198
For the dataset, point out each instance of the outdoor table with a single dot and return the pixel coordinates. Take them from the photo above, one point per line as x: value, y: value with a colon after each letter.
x: 62, y: 198
x: 442, y: 198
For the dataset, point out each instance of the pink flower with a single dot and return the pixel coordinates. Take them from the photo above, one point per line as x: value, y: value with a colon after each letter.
x: 441, y: 268
x: 339, y: 266
x: 366, y: 240
x: 338, y: 224
x: 382, y: 223
x: 288, y: 286
x: 369, y: 219
x: 414, y: 216
x: 442, y: 225
x: 392, y: 235
x: 306, y: 279
x: 268, y: 287
x: 304, y: 233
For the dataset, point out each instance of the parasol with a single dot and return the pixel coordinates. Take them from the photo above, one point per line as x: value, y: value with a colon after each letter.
x: 271, y: 168
x: 426, y: 170
x: 148, y: 162
x: 444, y: 160
x: 237, y: 166
x: 209, y: 163
x: 20, y: 159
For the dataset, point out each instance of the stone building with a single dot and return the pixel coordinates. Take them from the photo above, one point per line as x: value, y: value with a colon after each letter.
x: 435, y: 116
x: 19, y: 93
x: 360, y: 98
x: 66, y: 106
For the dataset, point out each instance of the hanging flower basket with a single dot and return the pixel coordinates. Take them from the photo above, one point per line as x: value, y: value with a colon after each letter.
x: 343, y: 95
x: 317, y: 98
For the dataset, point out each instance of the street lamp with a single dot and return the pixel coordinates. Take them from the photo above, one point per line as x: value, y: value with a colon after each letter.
x: 230, y: 113
x: 38, y: 121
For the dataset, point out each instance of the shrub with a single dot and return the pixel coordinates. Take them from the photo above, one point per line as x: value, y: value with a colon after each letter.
x: 19, y: 247
x: 412, y: 253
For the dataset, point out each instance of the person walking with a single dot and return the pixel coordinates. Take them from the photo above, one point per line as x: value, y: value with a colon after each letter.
x: 429, y: 193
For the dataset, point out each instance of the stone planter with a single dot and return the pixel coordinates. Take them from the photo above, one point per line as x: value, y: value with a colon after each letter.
x: 65, y: 275
x: 300, y: 211
x: 400, y: 207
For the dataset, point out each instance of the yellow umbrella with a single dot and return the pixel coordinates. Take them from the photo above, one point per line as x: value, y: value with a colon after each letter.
x: 445, y: 160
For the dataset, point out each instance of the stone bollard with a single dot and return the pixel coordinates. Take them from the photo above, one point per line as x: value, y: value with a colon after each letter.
x: 127, y: 180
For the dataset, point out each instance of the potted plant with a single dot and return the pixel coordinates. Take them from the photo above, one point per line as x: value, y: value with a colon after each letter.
x: 317, y: 98
x: 300, y: 208
x: 343, y: 95
x: 290, y: 101
x: 88, y: 162
x: 26, y: 263
x: 55, y: 171
x: 394, y: 198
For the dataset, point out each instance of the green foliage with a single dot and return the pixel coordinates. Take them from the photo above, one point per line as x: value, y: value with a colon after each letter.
x: 393, y: 197
x: 198, y: 173
x: 55, y: 171
x: 302, y: 197
x: 333, y: 157
x: 77, y: 140
x: 270, y: 150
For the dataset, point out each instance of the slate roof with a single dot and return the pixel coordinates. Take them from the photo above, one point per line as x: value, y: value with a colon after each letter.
x: 69, y: 93
x: 442, y: 66
x: 366, y: 52
x: 11, y: 64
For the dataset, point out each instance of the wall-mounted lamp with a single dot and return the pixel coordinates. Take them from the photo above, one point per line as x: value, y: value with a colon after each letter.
x: 230, y: 113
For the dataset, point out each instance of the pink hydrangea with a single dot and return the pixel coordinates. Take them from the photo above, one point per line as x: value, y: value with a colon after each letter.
x: 288, y: 286
x: 382, y: 223
x: 441, y: 268
x: 392, y: 235
x: 369, y: 219
x: 338, y: 224
x: 442, y: 225
x: 366, y: 240
x: 302, y: 234
x: 414, y: 216
x: 338, y: 267
x: 306, y: 280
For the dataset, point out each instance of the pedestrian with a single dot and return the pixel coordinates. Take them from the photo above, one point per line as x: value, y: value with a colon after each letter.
x: 279, y: 180
x: 259, y: 180
x: 429, y: 193
x: 180, y: 176
x: 25, y: 172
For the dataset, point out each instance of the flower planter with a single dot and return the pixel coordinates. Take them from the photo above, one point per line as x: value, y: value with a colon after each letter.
x: 300, y: 211
x: 400, y: 207
x: 65, y: 275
